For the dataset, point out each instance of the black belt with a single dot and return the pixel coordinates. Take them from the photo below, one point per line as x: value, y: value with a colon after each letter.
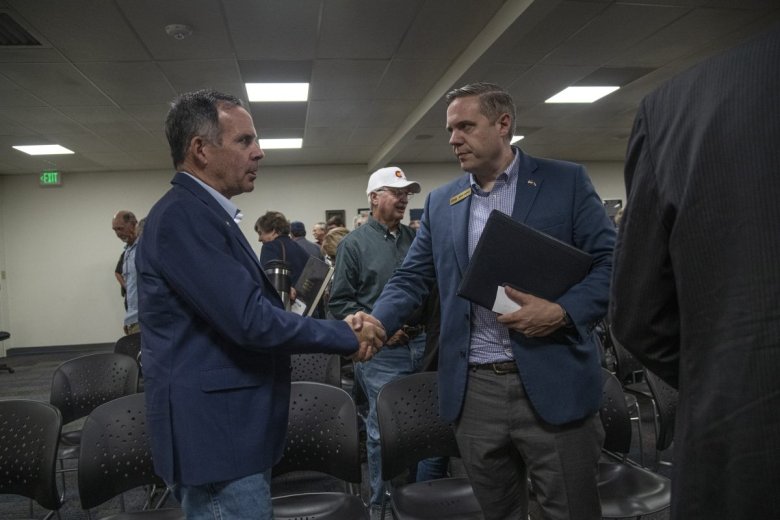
x: 413, y: 331
x: 505, y: 367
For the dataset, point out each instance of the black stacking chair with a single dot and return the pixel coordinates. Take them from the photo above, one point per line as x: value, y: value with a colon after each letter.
x: 4, y: 366
x: 116, y: 458
x: 627, y: 490
x: 82, y: 384
x: 629, y: 372
x: 410, y: 430
x: 29, y: 431
x: 322, y: 437
x: 130, y: 345
x: 665, y: 398
x: 319, y: 368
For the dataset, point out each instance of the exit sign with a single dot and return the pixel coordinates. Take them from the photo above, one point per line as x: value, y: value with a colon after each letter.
x: 51, y: 178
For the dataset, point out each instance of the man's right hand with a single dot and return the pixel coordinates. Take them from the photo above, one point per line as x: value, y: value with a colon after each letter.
x: 370, y: 335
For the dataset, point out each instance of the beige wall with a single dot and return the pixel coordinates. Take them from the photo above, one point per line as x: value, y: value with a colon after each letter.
x: 58, y: 251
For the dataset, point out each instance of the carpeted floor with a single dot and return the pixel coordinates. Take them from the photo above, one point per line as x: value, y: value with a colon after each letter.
x: 32, y: 380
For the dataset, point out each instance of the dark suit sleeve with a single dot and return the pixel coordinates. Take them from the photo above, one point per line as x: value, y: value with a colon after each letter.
x: 643, y: 307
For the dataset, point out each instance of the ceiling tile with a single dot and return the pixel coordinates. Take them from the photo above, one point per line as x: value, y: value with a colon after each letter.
x: 130, y: 83
x: 262, y: 29
x: 355, y: 29
x: 346, y: 79
x: 55, y: 83
x: 94, y: 30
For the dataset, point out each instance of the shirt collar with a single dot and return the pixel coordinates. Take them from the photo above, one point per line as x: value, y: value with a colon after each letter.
x: 382, y: 228
x: 505, y: 176
x: 231, y: 209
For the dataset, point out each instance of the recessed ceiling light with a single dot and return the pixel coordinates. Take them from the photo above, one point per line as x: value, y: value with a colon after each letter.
x: 581, y: 94
x: 44, y: 149
x: 277, y: 91
x: 271, y: 144
x: 516, y: 138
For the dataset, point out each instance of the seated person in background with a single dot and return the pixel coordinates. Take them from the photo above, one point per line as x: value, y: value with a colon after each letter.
x: 273, y: 231
x: 298, y: 235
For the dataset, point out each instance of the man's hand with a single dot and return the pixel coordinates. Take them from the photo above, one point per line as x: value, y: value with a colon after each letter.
x: 370, y: 336
x: 537, y: 317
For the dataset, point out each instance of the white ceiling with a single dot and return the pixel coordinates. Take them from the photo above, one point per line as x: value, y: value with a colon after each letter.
x: 101, y: 79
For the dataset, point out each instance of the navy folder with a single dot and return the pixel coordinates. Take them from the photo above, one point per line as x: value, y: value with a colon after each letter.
x: 511, y: 253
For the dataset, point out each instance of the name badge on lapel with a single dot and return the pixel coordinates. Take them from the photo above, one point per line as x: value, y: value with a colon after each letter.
x: 460, y: 196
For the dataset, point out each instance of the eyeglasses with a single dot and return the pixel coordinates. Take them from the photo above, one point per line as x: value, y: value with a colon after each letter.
x: 398, y: 194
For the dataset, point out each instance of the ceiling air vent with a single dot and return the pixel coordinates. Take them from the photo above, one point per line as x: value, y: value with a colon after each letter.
x: 14, y: 35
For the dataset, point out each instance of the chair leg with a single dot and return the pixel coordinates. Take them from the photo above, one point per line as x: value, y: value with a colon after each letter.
x: 163, y: 497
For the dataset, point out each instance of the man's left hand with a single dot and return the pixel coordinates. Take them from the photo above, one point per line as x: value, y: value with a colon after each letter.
x: 537, y: 317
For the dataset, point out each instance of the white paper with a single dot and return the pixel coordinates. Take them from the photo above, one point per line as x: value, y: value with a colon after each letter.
x: 298, y: 307
x: 503, y: 304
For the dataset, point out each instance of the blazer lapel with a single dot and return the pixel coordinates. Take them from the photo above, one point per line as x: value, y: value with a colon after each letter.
x: 185, y: 181
x: 528, y: 185
x: 460, y: 203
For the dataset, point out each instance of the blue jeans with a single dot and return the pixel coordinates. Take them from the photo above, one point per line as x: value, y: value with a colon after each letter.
x: 433, y: 468
x: 246, y: 497
x: 389, y: 364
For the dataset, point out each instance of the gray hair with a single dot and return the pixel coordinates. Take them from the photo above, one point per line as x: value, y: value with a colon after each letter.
x: 194, y: 114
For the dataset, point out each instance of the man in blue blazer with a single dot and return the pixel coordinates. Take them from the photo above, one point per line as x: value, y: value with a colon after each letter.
x: 215, y: 338
x: 523, y: 400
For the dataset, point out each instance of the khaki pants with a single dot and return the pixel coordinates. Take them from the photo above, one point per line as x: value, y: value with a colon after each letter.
x: 132, y: 328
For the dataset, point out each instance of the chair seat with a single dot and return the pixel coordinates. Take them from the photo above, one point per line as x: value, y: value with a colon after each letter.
x: 320, y: 506
x: 69, y: 447
x: 629, y: 491
x: 446, y: 499
x: 154, y: 514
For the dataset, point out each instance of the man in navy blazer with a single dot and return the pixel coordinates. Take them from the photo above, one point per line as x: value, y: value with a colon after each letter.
x: 216, y: 340
x: 523, y: 400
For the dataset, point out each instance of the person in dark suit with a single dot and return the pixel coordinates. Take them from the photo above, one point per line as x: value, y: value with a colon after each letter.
x: 696, y: 289
x: 273, y: 230
x: 523, y: 399
x: 298, y: 234
x: 215, y: 339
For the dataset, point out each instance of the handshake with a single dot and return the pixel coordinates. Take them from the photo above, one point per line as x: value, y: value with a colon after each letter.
x: 370, y: 334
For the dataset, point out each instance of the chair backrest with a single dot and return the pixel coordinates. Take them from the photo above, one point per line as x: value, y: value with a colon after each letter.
x: 665, y: 397
x: 82, y: 384
x: 626, y: 364
x: 319, y: 368
x: 29, y: 432
x: 115, y: 452
x: 614, y: 415
x: 322, y: 432
x: 129, y: 345
x: 410, y: 427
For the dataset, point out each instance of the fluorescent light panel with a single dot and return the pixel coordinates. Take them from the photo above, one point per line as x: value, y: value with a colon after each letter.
x: 277, y: 92
x: 44, y: 149
x: 581, y: 94
x: 516, y: 138
x: 271, y: 144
